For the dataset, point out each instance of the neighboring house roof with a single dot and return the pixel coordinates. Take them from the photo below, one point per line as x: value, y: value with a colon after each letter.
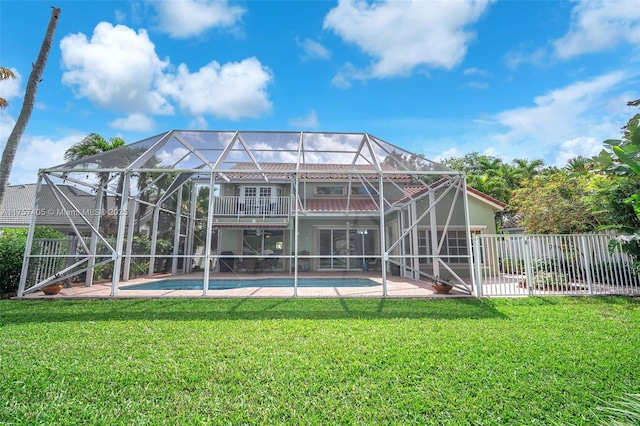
x: 17, y: 206
x: 513, y: 224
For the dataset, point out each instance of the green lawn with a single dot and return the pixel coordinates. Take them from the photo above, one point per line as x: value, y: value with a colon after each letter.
x: 306, y: 361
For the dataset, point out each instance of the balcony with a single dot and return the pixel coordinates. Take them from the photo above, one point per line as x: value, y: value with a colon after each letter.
x: 234, y: 209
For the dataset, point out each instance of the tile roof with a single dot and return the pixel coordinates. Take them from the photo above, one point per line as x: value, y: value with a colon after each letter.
x: 340, y: 205
x: 514, y: 223
x: 413, y: 191
x: 17, y: 206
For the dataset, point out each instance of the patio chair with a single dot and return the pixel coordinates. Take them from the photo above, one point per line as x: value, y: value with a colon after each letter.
x: 373, y: 264
x: 269, y: 263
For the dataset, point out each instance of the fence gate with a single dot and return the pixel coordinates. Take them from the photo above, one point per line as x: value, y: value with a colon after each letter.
x: 527, y: 265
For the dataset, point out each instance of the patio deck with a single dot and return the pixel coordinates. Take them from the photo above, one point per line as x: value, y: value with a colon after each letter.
x: 397, y: 287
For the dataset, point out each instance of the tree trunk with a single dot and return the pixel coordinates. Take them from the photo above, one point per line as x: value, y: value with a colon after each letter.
x: 27, y: 106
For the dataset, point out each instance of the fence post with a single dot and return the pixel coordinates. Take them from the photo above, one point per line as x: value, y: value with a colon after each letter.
x: 587, y: 266
x: 528, y: 265
x: 478, y: 263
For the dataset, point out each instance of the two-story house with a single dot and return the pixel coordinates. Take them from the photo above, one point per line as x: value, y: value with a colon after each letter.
x: 286, y: 202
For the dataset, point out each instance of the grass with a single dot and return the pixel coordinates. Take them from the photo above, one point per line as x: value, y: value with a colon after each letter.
x: 327, y: 361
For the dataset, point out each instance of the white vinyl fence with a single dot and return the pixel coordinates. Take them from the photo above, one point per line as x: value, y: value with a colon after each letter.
x: 48, y: 257
x: 527, y: 265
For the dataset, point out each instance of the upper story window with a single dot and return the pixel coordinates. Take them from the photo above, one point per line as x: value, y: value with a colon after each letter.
x: 330, y: 190
x: 363, y: 190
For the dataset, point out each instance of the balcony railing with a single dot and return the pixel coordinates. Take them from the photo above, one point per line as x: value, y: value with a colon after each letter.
x: 234, y: 206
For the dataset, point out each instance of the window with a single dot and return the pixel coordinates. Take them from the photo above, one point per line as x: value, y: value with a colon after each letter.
x: 363, y: 190
x: 454, y: 244
x: 330, y: 190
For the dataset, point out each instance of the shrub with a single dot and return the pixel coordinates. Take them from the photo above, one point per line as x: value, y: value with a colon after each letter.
x: 512, y: 266
x: 12, y: 246
x: 139, y: 265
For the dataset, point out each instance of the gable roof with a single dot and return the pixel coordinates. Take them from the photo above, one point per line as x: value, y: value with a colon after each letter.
x: 413, y: 191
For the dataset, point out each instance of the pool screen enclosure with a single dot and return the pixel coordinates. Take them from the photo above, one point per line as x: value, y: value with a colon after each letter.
x: 230, y: 202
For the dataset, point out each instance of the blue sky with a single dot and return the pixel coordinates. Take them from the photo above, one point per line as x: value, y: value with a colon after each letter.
x: 512, y: 79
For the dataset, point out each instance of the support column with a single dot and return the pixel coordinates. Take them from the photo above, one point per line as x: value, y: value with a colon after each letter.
x: 32, y: 227
x: 122, y: 221
x: 207, y: 249
x: 383, y: 261
x: 126, y: 272
x: 176, y: 233
x: 415, y: 261
x: 477, y: 254
x: 188, y: 249
x: 93, y: 243
x: 154, y: 239
x: 433, y: 222
x: 296, y: 236
x: 467, y: 226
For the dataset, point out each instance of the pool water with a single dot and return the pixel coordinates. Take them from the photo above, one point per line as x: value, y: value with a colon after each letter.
x: 227, y: 284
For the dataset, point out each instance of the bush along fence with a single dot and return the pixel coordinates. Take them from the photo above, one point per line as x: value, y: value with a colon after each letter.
x: 528, y: 265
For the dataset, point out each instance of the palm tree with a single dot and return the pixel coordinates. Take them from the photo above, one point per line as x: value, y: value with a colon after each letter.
x: 579, y: 164
x: 91, y: 145
x: 526, y: 169
x: 35, y: 78
x: 5, y: 74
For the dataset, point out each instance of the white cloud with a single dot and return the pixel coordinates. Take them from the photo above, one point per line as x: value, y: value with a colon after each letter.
x: 39, y: 152
x: 115, y: 69
x: 400, y: 36
x: 583, y: 145
x: 10, y: 88
x: 6, y: 125
x: 600, y: 25
x: 188, y: 18
x: 558, y: 113
x: 119, y: 16
x: 171, y: 158
x: 538, y: 57
x: 314, y: 50
x: 198, y: 122
x: 134, y: 122
x: 475, y: 71
x: 346, y: 75
x: 234, y: 90
x: 491, y: 152
x: 449, y: 153
x: 119, y: 69
x: 477, y: 85
x: 566, y: 122
x: 310, y: 121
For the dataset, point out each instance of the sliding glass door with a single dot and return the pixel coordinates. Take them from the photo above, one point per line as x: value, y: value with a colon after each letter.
x: 337, y: 244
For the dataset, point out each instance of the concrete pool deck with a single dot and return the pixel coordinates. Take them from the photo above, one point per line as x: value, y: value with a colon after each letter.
x: 397, y: 287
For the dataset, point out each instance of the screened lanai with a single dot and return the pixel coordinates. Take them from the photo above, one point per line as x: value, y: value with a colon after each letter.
x: 223, y: 204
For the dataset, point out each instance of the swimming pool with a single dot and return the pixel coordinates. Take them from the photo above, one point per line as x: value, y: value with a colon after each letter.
x: 227, y: 284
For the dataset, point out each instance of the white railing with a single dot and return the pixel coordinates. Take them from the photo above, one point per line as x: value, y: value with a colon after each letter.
x: 47, y: 258
x: 251, y: 206
x: 522, y: 265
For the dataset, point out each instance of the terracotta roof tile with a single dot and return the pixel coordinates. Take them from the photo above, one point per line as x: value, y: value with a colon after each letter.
x: 340, y: 205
